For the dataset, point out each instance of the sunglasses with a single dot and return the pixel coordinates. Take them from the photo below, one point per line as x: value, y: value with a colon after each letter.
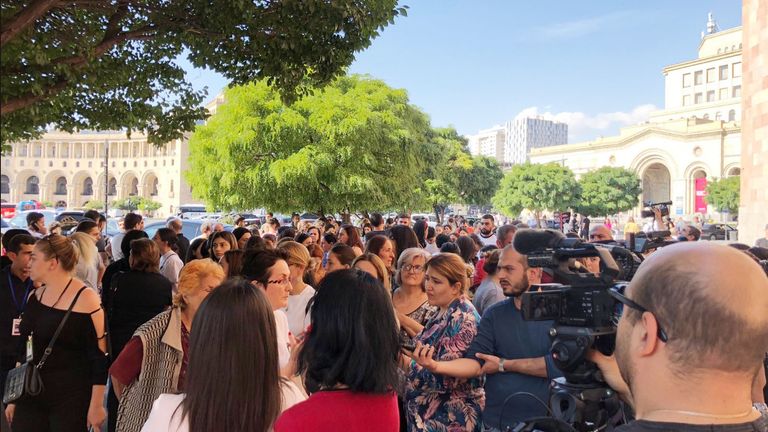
x: 626, y: 301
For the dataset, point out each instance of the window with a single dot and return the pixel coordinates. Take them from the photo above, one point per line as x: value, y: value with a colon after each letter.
x: 112, y: 186
x: 64, y: 151
x: 698, y: 98
x: 723, y: 93
x: 736, y: 70
x: 711, y: 96
x: 5, y: 184
x: 718, y: 116
x: 88, y: 186
x: 724, y: 72
x: 23, y: 149
x: 698, y: 77
x: 33, y: 185
x: 732, y: 115
x: 686, y: 80
x: 706, y: 117
x: 686, y: 100
x: 61, y: 186
x: 736, y: 91
x: 38, y: 150
x: 711, y: 75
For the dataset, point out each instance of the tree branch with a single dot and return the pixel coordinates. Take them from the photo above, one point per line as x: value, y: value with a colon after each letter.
x: 28, y: 99
x: 24, y: 18
x: 143, y: 33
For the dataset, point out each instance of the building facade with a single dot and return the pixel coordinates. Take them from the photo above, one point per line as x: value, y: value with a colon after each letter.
x: 685, y: 145
x: 488, y: 142
x: 528, y: 133
x: 68, y: 170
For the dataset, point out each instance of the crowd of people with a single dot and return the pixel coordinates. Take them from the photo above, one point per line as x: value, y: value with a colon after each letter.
x: 391, y: 325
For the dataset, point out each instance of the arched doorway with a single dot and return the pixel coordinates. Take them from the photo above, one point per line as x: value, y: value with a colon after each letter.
x: 88, y: 186
x: 33, y: 185
x: 112, y: 191
x: 656, y: 183
x: 61, y: 186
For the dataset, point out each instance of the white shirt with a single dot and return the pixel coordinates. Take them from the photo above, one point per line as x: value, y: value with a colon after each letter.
x: 281, y: 322
x: 117, y: 253
x: 432, y: 249
x: 170, y: 267
x: 488, y: 240
x: 166, y: 417
x: 296, y: 311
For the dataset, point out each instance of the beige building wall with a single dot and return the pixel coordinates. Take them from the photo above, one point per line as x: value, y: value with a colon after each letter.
x: 69, y: 169
x: 753, y: 212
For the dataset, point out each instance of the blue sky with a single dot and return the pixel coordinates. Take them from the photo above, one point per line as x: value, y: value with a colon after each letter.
x: 473, y: 64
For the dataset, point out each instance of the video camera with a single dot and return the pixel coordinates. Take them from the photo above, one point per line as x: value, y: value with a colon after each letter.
x: 644, y: 242
x: 584, y: 314
x: 649, y: 206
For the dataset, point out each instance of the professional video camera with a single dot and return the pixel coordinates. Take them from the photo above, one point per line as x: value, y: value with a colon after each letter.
x: 649, y: 206
x: 584, y: 311
x: 643, y: 242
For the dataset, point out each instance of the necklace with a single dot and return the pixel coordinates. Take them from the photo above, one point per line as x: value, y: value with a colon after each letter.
x: 707, y: 415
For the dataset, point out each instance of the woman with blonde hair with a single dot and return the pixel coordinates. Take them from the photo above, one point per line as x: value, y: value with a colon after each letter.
x: 155, y: 359
x: 410, y: 299
x: 88, y: 265
x: 437, y: 402
x: 373, y: 265
x: 298, y: 260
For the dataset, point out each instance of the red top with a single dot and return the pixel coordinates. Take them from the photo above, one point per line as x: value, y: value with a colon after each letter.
x: 342, y: 410
x: 127, y: 366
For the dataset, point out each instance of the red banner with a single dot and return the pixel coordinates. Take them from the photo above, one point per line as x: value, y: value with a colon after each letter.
x: 701, y: 192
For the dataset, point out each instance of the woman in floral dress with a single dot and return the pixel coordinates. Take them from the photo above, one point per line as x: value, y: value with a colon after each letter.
x: 438, y: 402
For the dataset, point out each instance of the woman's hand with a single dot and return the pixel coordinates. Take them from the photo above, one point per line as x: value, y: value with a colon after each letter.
x: 9, y: 411
x: 96, y: 416
x: 423, y: 354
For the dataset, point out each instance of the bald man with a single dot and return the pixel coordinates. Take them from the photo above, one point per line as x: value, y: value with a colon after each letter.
x: 691, y: 341
x: 600, y: 233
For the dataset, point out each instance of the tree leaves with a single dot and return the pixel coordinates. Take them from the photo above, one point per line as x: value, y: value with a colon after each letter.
x: 536, y: 187
x: 723, y: 194
x: 609, y: 190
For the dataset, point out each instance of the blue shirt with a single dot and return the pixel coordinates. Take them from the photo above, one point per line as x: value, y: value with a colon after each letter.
x: 504, y: 333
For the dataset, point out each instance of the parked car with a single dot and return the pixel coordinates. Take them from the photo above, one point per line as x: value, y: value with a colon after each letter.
x: 189, y: 227
x: 718, y: 231
x: 20, y: 219
x: 8, y: 210
x: 430, y: 218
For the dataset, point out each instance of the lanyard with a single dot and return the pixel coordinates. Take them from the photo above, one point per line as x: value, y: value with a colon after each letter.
x: 13, y: 293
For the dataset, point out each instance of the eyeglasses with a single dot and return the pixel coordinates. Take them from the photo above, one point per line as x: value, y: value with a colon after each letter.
x: 283, y: 282
x: 625, y: 301
x: 413, y: 268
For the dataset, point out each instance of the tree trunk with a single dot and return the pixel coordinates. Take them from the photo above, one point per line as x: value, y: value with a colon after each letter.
x: 538, y: 218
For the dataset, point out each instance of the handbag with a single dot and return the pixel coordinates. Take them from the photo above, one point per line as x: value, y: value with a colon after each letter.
x: 24, y: 381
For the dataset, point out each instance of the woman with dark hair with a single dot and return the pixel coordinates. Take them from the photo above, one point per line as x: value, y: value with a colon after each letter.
x: 450, y: 247
x: 220, y: 242
x: 340, y: 257
x: 270, y: 241
x: 403, y: 238
x: 155, y: 359
x: 121, y: 265
x: 467, y: 250
x: 439, y: 402
x: 135, y: 297
x: 349, y: 358
x: 255, y: 243
x: 383, y: 247
x: 232, y: 263
x: 420, y: 229
x: 216, y: 397
x: 367, y: 227
x: 314, y: 232
x: 304, y: 239
x: 374, y: 266
x: 349, y: 236
x: 242, y: 236
x: 431, y: 241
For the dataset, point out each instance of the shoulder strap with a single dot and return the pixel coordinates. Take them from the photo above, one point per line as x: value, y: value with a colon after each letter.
x: 49, y: 348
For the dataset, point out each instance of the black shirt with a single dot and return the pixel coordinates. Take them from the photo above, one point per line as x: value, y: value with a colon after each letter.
x: 759, y: 425
x: 182, y: 243
x: 10, y: 309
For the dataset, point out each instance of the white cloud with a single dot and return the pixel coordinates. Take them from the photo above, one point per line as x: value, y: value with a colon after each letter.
x: 584, y: 126
x: 581, y: 27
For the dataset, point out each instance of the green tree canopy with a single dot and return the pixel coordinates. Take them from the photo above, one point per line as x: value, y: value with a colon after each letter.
x: 609, y: 190
x: 353, y: 145
x: 112, y: 64
x: 536, y: 187
x: 724, y: 194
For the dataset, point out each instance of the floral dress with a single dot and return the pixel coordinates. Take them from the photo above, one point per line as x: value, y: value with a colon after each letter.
x: 443, y: 403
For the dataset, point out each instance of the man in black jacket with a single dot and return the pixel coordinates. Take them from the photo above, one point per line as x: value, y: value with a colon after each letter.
x: 182, y: 243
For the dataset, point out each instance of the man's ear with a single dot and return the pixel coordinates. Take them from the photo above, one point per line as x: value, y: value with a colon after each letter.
x: 650, y: 328
x: 534, y: 275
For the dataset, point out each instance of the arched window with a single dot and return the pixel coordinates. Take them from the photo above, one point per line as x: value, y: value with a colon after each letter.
x: 134, y: 187
x: 112, y: 186
x: 88, y: 186
x: 33, y: 185
x: 5, y: 184
x: 154, y: 187
x: 718, y: 116
x: 61, y: 186
x: 706, y: 117
x: 732, y: 115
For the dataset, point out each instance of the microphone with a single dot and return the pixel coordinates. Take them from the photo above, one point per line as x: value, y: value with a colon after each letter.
x: 531, y: 240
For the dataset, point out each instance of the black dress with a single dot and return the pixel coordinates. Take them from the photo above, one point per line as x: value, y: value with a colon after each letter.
x: 75, y: 365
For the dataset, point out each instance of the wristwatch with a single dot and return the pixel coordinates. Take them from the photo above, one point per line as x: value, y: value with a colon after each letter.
x: 501, y: 365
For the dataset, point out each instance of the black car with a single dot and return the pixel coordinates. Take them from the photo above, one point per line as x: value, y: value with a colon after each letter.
x: 718, y: 231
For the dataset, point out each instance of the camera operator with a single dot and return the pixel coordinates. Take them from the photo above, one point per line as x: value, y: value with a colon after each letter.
x: 691, y: 340
x: 600, y: 233
x: 655, y: 224
x: 690, y: 233
x: 512, y: 352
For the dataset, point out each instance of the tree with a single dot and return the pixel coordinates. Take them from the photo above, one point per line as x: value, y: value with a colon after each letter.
x: 608, y: 190
x: 147, y: 205
x: 353, y: 145
x: 480, y: 182
x: 723, y: 194
x: 536, y: 187
x: 112, y: 64
x: 94, y: 205
x: 130, y: 204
